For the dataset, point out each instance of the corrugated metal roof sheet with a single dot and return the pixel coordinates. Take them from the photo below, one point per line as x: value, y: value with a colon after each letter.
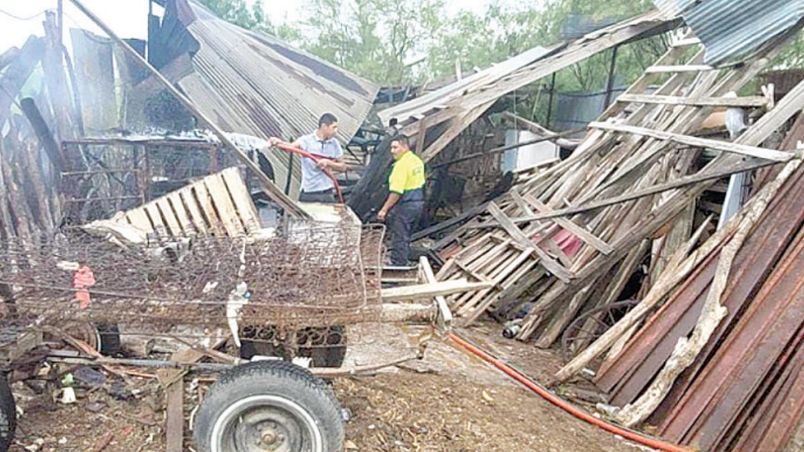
x: 423, y: 104
x: 254, y: 84
x: 528, y: 67
x: 734, y: 30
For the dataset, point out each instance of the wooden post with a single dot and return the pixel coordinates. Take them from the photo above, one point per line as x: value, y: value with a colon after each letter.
x: 174, y: 418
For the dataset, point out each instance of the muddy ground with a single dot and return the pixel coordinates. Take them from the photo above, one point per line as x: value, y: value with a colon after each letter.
x: 447, y: 402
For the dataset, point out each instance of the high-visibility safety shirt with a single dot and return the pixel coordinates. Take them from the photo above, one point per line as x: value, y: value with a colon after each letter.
x: 407, y: 174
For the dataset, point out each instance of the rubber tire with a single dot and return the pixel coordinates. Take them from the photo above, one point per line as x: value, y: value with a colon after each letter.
x: 278, y: 378
x: 8, y: 414
x: 109, y: 335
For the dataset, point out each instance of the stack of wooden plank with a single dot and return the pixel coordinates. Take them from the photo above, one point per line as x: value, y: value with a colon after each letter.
x: 218, y: 204
x: 628, y: 188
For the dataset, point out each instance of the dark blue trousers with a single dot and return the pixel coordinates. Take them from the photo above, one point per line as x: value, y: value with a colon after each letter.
x: 401, y: 221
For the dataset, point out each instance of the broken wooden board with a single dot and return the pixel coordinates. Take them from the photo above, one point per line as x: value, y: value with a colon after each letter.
x: 427, y: 291
x: 218, y: 204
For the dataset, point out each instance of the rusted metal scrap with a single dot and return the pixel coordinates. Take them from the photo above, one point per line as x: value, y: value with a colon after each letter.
x: 305, y: 274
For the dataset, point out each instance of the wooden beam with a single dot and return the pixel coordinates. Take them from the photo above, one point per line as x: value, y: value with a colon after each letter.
x: 529, y: 125
x: 578, y: 231
x: 43, y: 133
x: 677, y: 69
x: 547, y: 261
x: 428, y: 291
x: 748, y: 101
x: 742, y: 149
x: 659, y: 188
x: 444, y: 319
x: 273, y: 192
x: 174, y: 417
x: 501, y: 149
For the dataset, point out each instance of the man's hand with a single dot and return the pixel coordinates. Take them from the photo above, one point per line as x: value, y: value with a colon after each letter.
x: 323, y: 164
x: 274, y: 141
x: 381, y: 215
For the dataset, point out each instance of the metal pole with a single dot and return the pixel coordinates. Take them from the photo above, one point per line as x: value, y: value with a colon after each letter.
x: 270, y: 189
x: 60, y: 14
x: 610, y: 81
x: 550, y: 100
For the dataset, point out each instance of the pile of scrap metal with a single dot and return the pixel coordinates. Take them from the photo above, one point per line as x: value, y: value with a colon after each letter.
x: 620, y: 220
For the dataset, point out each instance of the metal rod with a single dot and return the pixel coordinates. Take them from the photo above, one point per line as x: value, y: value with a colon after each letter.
x: 100, y: 171
x: 270, y: 189
x: 507, y: 148
x: 690, y: 180
x: 134, y: 142
x: 104, y: 198
x: 550, y: 100
x: 219, y: 367
x: 610, y: 81
x: 151, y: 363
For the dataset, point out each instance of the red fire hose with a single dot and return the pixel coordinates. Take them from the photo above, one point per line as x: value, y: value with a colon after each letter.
x: 287, y: 147
x: 569, y: 408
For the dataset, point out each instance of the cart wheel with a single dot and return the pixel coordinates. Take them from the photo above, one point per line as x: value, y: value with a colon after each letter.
x: 591, y: 325
x: 269, y: 405
x: 8, y: 414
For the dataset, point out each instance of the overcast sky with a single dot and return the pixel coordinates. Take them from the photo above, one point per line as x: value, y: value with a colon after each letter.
x: 21, y: 18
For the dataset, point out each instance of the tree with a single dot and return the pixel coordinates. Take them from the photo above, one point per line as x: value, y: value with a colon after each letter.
x: 238, y: 12
x: 377, y: 39
x: 251, y: 18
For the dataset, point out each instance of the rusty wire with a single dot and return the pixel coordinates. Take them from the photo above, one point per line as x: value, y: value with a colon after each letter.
x: 304, y: 274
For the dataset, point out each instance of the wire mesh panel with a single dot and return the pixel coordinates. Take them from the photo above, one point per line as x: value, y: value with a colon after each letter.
x: 300, y: 274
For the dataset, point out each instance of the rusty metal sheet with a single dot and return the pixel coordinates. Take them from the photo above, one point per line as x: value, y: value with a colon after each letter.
x: 743, y: 359
x: 661, y: 323
x: 768, y: 240
x: 767, y: 403
x: 773, y: 426
x: 626, y: 377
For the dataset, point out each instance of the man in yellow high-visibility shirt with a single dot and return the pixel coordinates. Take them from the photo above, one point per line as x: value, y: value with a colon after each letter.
x: 406, y: 198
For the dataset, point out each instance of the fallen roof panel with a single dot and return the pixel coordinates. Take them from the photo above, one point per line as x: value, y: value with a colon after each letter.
x: 257, y: 85
x: 735, y: 30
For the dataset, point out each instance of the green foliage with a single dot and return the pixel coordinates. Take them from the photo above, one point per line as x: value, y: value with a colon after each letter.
x: 793, y: 54
x: 378, y: 39
x: 394, y: 42
x: 238, y: 12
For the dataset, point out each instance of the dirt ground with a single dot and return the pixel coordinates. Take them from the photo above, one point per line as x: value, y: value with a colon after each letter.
x: 449, y: 401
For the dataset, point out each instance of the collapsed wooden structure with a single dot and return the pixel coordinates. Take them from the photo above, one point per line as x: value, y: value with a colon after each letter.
x: 706, y: 366
x: 562, y: 245
x: 560, y: 235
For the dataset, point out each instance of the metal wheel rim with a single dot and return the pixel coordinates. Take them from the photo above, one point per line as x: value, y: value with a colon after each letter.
x: 242, y: 426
